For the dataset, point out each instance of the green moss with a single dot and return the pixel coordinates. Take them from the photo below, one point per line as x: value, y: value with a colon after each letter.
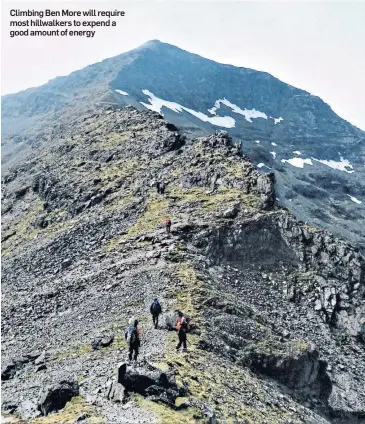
x: 166, y: 415
x: 120, y: 203
x: 112, y: 245
x: 24, y: 226
x: 311, y: 229
x: 162, y: 366
x: 292, y: 348
x: 302, y: 346
x: 181, y: 400
x: 193, y: 288
x: 75, y: 352
x: 120, y: 170
x: 153, y: 218
x: 113, y: 140
x: 207, y: 201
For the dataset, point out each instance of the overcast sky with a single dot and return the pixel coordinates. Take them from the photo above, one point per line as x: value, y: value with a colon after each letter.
x: 316, y: 46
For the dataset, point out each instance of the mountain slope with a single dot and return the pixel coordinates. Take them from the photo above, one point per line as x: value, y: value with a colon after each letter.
x: 318, y: 158
x: 276, y: 306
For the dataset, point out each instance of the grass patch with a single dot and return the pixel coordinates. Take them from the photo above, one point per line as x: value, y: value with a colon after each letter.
x: 311, y: 229
x: 120, y: 170
x: 167, y: 415
x: 75, y: 352
x: 114, y: 243
x: 206, y: 201
x: 152, y: 219
x: 73, y: 409
x: 120, y: 203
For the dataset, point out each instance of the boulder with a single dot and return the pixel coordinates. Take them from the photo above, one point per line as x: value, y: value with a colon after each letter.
x: 41, y: 359
x: 8, y: 372
x: 21, y: 192
x: 66, y: 263
x: 115, y: 392
x: 171, y: 320
x: 28, y: 410
x: 102, y: 342
x: 55, y: 397
x: 151, y: 383
x: 230, y: 213
x: 172, y: 317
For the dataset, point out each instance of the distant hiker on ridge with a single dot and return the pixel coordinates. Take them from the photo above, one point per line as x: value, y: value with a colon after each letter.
x: 168, y: 225
x: 155, y: 310
x: 133, y: 337
x: 162, y: 188
x: 158, y: 184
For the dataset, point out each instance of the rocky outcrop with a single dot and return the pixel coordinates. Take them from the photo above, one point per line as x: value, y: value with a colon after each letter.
x: 150, y: 383
x: 55, y: 397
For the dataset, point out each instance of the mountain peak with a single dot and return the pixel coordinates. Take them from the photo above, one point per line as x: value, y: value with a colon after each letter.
x: 151, y: 44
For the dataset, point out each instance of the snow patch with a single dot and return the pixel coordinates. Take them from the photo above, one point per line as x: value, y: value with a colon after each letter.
x: 298, y: 162
x: 273, y: 154
x: 156, y: 105
x: 343, y: 165
x: 249, y: 114
x: 277, y: 120
x: 355, y: 200
x: 260, y: 165
x: 123, y: 93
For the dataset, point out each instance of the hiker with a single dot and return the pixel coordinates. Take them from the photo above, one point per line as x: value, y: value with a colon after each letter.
x: 168, y: 225
x: 132, y: 335
x: 158, y: 185
x: 182, y: 328
x: 162, y: 188
x: 155, y: 310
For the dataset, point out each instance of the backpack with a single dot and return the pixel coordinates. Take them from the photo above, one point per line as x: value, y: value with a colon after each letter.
x: 168, y: 222
x: 182, y: 326
x: 156, y: 307
x: 131, y: 334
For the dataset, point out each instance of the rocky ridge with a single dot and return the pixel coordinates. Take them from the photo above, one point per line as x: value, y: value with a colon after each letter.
x: 276, y: 306
x: 317, y: 157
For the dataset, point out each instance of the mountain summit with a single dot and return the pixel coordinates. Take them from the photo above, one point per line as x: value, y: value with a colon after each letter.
x: 317, y: 157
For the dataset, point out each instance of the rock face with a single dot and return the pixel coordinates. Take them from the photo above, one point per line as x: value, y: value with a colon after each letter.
x: 8, y: 371
x: 276, y: 307
x: 55, y: 398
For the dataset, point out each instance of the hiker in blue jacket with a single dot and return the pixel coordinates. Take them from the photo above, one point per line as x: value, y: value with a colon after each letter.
x: 155, y: 310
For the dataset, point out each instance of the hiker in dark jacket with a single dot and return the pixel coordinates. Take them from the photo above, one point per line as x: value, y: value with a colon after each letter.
x: 155, y: 310
x: 133, y: 337
x: 182, y: 328
x: 162, y: 188
x: 158, y: 187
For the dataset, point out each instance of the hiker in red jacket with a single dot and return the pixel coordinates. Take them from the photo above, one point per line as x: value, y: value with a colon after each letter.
x: 168, y: 225
x: 182, y: 328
